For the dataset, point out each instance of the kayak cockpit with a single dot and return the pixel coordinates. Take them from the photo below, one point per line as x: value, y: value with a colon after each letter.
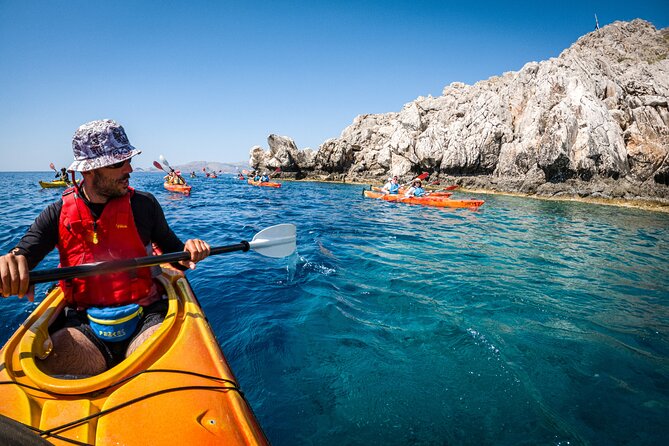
x: 35, y: 345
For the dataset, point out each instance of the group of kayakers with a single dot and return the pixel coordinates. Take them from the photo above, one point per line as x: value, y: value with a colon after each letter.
x: 101, y: 218
x: 264, y: 178
x: 393, y: 187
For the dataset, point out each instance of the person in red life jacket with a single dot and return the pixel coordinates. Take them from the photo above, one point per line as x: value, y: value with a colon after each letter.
x: 101, y: 219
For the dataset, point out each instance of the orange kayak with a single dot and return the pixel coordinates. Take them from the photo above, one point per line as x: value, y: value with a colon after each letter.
x: 403, y: 190
x: 429, y: 200
x: 180, y: 188
x: 176, y: 388
x: 264, y: 183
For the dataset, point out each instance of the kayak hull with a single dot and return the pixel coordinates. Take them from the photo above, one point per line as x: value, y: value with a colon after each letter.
x: 180, y: 188
x: 264, y: 183
x: 442, y: 202
x: 176, y: 388
x: 54, y: 184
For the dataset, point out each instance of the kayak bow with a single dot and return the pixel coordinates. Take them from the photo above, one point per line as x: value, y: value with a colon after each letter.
x: 176, y: 388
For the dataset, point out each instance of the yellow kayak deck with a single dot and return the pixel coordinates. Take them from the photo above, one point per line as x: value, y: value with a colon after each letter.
x: 176, y: 388
x: 54, y: 184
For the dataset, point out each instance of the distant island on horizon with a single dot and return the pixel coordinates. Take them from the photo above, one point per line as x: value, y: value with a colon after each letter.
x: 198, y: 166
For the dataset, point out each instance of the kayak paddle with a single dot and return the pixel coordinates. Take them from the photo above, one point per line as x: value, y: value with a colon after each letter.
x: 453, y: 187
x: 53, y: 167
x: 421, y: 177
x: 276, y: 241
x: 164, y: 161
x: 157, y: 165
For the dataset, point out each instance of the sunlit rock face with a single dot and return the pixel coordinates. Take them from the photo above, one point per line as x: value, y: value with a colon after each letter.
x: 592, y: 122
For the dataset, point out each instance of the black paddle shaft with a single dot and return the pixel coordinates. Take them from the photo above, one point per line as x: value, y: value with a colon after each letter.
x: 94, y: 269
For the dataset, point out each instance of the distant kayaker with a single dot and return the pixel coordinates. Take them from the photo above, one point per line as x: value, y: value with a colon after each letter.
x: 62, y: 175
x: 174, y: 178
x: 392, y: 186
x: 416, y: 190
x: 101, y: 219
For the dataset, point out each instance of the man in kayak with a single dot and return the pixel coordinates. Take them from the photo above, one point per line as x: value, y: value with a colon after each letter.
x: 62, y: 175
x: 101, y: 219
x: 416, y: 190
x: 392, y: 186
x: 174, y: 177
x: 264, y: 178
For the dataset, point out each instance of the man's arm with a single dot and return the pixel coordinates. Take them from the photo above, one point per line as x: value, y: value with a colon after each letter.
x: 37, y: 242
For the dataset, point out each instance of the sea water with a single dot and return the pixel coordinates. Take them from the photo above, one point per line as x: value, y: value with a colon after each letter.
x: 523, y: 322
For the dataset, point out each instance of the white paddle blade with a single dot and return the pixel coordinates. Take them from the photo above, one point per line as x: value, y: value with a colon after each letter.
x: 276, y: 241
x: 164, y: 161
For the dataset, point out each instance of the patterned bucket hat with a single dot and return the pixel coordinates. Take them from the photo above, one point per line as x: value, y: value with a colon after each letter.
x: 98, y: 144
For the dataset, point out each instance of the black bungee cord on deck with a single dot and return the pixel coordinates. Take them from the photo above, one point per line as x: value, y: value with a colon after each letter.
x: 53, y: 432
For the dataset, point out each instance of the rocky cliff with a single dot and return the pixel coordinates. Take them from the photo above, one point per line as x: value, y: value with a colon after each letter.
x: 592, y: 122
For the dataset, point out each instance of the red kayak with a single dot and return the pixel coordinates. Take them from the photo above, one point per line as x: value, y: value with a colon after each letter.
x: 428, y: 200
x: 264, y: 183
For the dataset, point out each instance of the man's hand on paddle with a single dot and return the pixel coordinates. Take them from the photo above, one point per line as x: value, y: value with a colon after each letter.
x: 14, y: 276
x: 199, y: 250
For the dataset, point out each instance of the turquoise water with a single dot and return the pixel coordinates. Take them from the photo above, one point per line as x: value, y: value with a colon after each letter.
x: 525, y: 322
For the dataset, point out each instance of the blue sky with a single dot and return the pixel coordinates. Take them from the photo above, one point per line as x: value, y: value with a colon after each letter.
x: 207, y: 80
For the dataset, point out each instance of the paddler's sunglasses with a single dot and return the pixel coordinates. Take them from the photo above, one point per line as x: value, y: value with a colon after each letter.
x: 119, y: 164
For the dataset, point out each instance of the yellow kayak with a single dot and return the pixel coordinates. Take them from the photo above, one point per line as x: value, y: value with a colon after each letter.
x: 175, y: 389
x: 52, y: 184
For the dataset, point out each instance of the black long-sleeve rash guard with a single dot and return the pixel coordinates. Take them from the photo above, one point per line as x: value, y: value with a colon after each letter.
x: 42, y: 236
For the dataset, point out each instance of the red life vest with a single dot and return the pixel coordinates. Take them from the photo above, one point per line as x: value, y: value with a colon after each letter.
x: 113, y: 236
